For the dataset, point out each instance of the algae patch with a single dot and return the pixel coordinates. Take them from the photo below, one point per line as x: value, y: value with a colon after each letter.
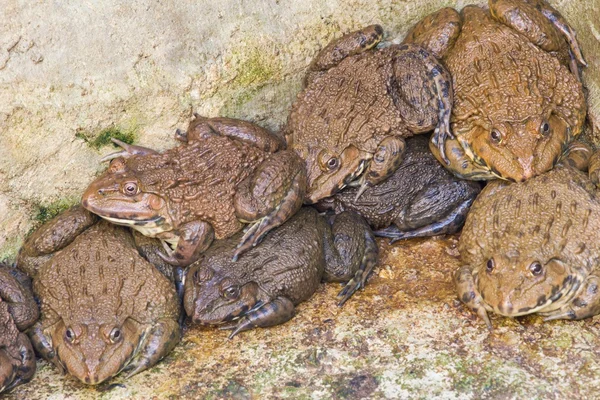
x: 104, y: 137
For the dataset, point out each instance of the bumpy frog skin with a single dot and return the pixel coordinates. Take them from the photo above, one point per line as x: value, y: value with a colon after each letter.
x: 18, y: 311
x: 518, y: 100
x: 532, y: 247
x: 262, y: 288
x: 348, y: 124
x: 420, y: 199
x: 227, y: 172
x: 104, y: 308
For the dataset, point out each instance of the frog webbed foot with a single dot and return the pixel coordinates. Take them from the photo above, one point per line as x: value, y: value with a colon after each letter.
x: 157, y: 343
x: 194, y: 238
x: 468, y: 294
x: 128, y: 150
x: 351, y: 253
x: 385, y: 162
x: 585, y: 304
x: 273, y: 313
x: 269, y: 197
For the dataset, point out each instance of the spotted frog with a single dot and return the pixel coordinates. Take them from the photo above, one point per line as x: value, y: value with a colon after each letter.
x: 264, y: 286
x: 518, y: 99
x: 226, y: 173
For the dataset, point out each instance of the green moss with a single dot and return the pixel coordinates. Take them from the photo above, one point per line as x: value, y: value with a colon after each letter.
x: 46, y: 212
x: 255, y: 68
x: 104, y: 137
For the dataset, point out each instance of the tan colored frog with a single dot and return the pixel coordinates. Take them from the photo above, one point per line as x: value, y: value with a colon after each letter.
x: 227, y: 173
x: 518, y: 100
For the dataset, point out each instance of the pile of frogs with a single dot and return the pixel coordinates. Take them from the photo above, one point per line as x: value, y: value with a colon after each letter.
x: 214, y: 231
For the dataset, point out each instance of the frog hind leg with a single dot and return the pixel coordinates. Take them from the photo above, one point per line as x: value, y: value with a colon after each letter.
x: 157, y: 343
x: 348, y: 45
x: 578, y: 155
x: 460, y: 164
x: 350, y: 253
x: 585, y: 304
x: 275, y: 312
x: 467, y: 293
x: 594, y: 168
x: 20, y: 302
x: 437, y: 32
x: 540, y: 23
x: 195, y: 237
x: 269, y: 197
x: 442, y: 221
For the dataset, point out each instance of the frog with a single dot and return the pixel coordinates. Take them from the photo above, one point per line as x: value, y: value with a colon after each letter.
x: 420, y: 199
x: 105, y: 309
x: 518, y: 97
x: 532, y: 247
x: 18, y: 311
x: 225, y: 173
x: 359, y: 103
x: 263, y: 287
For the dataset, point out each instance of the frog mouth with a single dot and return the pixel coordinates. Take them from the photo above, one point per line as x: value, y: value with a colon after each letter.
x: 352, y: 180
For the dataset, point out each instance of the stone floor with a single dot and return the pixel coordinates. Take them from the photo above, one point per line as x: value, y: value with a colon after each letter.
x: 405, y: 336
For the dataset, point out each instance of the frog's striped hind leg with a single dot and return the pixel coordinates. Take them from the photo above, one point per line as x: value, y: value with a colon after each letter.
x: 275, y: 312
x: 468, y: 294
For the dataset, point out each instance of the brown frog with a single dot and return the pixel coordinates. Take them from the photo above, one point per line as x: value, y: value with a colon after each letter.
x: 263, y: 287
x: 518, y: 100
x: 421, y: 198
x: 349, y: 122
x: 104, y: 308
x: 18, y: 311
x: 227, y: 173
x: 532, y: 247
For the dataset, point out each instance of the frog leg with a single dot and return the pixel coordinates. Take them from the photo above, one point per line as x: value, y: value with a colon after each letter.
x: 468, y: 294
x: 270, y: 196
x: 442, y: 222
x: 21, y: 304
x: 27, y: 364
x: 194, y: 238
x: 348, y: 45
x: 128, y: 150
x: 158, y: 341
x: 43, y: 345
x: 54, y: 235
x: 585, y: 304
x: 437, y: 32
x: 201, y: 128
x: 460, y: 164
x: 275, y: 312
x: 594, y: 168
x: 385, y: 162
x: 578, y: 155
x: 350, y: 253
x: 540, y: 23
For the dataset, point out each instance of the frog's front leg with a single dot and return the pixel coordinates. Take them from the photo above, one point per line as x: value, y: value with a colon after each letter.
x: 594, y: 168
x: 159, y: 340
x: 43, y: 345
x: 275, y: 312
x: 348, y: 45
x: 578, y: 155
x: 459, y: 163
x: 270, y: 196
x: 27, y: 364
x: 385, y: 162
x: 586, y: 302
x: 350, y: 253
x: 468, y: 294
x: 193, y: 238
x: 201, y: 127
x: 540, y: 23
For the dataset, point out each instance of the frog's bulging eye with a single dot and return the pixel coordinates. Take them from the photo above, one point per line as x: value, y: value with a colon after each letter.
x: 496, y: 136
x: 70, y: 335
x: 545, y: 128
x: 115, y: 335
x: 489, y: 267
x: 231, y: 292
x: 332, y: 163
x: 536, y: 268
x: 130, y: 188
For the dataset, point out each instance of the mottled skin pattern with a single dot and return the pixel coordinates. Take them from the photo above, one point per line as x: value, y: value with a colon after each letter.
x: 18, y: 311
x: 421, y: 198
x: 532, y: 247
x: 263, y: 286
x: 518, y: 100
x: 227, y: 172
x: 104, y: 308
x: 348, y: 124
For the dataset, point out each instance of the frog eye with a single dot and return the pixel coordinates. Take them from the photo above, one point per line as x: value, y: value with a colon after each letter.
x: 327, y: 162
x: 231, y: 292
x: 489, y: 267
x: 332, y: 163
x: 130, y: 188
x: 496, y: 136
x: 536, y: 268
x: 544, y: 128
x: 202, y: 275
x: 70, y: 335
x: 115, y: 335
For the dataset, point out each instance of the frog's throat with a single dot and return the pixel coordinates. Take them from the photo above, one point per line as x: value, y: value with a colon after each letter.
x: 148, y: 227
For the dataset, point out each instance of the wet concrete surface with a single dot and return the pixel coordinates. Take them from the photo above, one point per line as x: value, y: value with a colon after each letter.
x: 405, y: 336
